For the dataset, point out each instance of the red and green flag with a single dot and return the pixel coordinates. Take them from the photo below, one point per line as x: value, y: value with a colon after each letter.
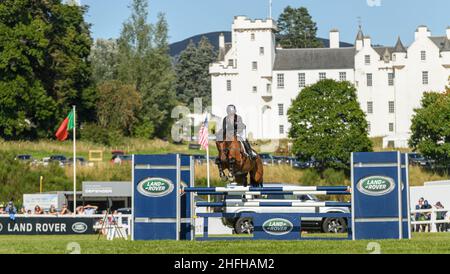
x: 66, y: 125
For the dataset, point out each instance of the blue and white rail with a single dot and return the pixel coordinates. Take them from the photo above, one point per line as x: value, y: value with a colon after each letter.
x: 286, y: 189
x: 272, y: 204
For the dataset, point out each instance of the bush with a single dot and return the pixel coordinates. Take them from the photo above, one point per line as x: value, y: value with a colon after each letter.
x: 100, y: 135
x: 334, y: 177
x: 310, y: 177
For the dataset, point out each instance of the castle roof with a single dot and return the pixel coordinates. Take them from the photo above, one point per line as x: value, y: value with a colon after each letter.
x: 399, y: 46
x: 439, y: 41
x: 446, y: 46
x: 315, y: 58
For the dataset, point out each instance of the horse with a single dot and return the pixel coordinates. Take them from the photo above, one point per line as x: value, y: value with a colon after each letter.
x: 233, y: 158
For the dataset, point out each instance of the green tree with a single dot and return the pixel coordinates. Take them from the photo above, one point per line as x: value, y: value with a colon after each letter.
x: 192, y: 70
x: 117, y: 106
x: 104, y: 61
x: 297, y: 29
x: 328, y: 124
x: 431, y: 127
x: 44, y: 70
x: 144, y: 62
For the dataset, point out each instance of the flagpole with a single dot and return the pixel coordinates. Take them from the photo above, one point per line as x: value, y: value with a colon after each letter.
x: 207, y: 169
x: 74, y: 161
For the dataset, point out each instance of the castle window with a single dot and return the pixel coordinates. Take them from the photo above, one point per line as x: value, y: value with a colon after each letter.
x: 391, y: 107
x: 423, y: 55
x: 391, y: 127
x: 269, y: 88
x: 342, y: 76
x: 367, y: 59
x: 255, y: 89
x: 425, y: 77
x: 254, y: 65
x: 370, y: 107
x: 369, y: 128
x: 301, y: 80
x: 391, y: 79
x: 369, y: 79
x: 228, y: 85
x: 280, y: 109
x: 281, y: 129
x: 230, y: 62
x: 261, y: 51
x: 280, y: 80
x: 252, y: 37
x: 322, y: 76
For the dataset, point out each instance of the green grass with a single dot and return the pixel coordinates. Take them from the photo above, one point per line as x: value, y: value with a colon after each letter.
x: 421, y: 243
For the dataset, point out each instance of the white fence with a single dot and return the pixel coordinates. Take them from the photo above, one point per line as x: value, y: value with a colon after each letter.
x: 432, y: 221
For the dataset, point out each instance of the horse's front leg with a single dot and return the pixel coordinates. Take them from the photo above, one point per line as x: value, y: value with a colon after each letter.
x: 222, y: 175
x: 231, y: 167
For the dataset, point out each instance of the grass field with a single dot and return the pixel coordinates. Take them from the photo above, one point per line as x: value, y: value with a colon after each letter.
x: 422, y: 243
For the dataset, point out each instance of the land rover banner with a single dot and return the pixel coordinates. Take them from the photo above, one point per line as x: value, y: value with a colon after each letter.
x: 46, y: 226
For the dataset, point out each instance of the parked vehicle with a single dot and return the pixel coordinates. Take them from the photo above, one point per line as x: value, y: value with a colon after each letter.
x: 267, y: 159
x: 121, y: 158
x: 60, y: 159
x: 24, y: 157
x: 80, y: 161
x: 245, y: 225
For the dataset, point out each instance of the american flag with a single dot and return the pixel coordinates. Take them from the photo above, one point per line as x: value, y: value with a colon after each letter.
x: 203, y: 134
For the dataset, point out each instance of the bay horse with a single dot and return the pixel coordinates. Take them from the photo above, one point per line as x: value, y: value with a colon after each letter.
x: 233, y: 158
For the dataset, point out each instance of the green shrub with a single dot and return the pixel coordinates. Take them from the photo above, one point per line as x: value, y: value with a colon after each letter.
x: 334, y: 177
x: 310, y: 177
x: 100, y: 135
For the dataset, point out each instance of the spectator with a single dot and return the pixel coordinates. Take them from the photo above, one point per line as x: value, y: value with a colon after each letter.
x: 52, y: 210
x: 38, y: 210
x: 2, y: 209
x: 440, y: 215
x: 29, y: 212
x: 426, y: 215
x: 417, y: 218
x: 23, y: 210
x: 11, y: 210
x: 65, y: 210
x: 80, y: 210
x: 90, y: 209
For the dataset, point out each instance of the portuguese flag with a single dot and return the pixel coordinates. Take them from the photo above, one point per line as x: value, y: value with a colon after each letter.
x: 66, y: 125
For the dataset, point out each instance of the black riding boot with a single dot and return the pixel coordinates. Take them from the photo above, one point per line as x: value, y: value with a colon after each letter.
x: 249, y: 150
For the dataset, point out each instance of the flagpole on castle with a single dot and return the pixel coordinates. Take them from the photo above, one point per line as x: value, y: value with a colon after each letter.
x: 74, y: 161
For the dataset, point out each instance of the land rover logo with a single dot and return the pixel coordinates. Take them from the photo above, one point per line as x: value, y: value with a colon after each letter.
x: 376, y: 185
x: 155, y: 187
x: 277, y: 226
x: 79, y: 227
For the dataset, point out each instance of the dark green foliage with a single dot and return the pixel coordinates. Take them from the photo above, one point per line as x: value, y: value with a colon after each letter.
x: 431, y: 128
x: 101, y: 135
x: 44, y: 69
x: 297, y: 29
x: 192, y: 70
x: 327, y: 124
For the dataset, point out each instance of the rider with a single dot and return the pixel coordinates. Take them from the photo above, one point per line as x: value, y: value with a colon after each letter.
x: 233, y: 126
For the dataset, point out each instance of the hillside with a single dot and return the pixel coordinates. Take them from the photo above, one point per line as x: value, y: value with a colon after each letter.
x: 213, y: 37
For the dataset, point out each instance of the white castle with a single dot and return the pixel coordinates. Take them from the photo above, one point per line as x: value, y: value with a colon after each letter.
x: 261, y: 79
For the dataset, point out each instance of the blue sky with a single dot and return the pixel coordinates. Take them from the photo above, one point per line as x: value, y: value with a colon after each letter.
x: 383, y: 20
